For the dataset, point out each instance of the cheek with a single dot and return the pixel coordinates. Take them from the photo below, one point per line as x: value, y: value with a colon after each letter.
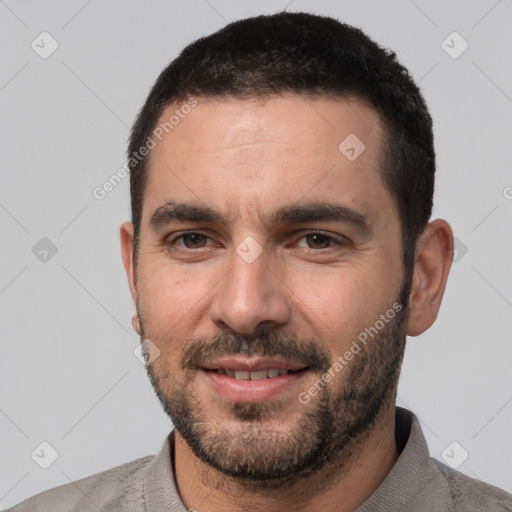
x: 167, y: 296
x: 335, y: 300
x: 164, y: 304
x: 337, y: 306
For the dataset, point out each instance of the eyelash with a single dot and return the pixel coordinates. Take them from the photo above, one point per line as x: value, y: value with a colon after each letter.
x: 333, y: 241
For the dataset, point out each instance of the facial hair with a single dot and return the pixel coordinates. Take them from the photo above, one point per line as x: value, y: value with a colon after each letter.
x: 329, y: 427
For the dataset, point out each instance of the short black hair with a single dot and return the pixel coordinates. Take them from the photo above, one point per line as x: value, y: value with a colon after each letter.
x: 270, y: 55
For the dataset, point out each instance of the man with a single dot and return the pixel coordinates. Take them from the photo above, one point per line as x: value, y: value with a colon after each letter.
x: 280, y: 250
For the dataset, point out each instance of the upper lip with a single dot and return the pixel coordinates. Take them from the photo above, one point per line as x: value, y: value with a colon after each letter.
x: 251, y: 363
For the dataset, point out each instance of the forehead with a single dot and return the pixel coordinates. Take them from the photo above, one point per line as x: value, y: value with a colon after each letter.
x: 243, y: 154
x: 300, y: 121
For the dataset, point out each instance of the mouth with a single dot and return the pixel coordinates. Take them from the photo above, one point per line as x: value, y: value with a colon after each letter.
x: 251, y: 379
x: 241, y: 374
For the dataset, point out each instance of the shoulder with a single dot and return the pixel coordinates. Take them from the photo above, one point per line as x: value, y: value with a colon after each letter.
x: 467, y: 493
x: 119, y: 488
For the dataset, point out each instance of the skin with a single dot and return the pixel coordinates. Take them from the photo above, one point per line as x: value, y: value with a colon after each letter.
x: 246, y: 159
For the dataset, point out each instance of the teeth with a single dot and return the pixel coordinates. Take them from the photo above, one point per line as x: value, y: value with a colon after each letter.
x: 258, y: 375
x: 254, y: 375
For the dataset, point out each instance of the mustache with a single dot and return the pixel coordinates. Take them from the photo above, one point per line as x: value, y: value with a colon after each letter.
x: 307, y: 352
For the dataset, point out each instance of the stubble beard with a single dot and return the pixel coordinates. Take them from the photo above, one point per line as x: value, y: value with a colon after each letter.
x: 329, y: 429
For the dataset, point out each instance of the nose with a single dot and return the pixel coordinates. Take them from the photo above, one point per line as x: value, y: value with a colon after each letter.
x: 250, y: 297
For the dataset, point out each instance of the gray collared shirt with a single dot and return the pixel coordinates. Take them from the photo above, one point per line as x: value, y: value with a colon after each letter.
x: 417, y: 483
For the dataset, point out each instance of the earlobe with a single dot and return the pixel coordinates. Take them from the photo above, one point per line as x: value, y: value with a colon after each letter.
x: 136, y: 323
x: 126, y: 237
x: 433, y: 258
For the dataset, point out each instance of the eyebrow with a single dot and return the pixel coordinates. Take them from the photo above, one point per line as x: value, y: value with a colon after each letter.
x: 297, y: 213
x: 302, y: 213
x: 173, y: 212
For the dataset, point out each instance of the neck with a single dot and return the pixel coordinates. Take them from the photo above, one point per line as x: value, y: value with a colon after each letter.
x: 340, y: 487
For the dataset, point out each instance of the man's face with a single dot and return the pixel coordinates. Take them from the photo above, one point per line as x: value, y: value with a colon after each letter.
x: 264, y: 249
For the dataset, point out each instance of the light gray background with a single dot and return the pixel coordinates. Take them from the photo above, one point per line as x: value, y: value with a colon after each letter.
x: 68, y: 373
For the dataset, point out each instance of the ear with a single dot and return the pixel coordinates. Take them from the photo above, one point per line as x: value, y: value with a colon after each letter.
x: 126, y: 235
x: 433, y: 259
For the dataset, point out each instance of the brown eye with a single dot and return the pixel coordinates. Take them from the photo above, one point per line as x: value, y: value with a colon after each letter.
x: 318, y: 241
x: 194, y: 240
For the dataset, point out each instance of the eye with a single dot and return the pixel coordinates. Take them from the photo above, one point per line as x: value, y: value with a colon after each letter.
x: 318, y: 241
x: 191, y: 240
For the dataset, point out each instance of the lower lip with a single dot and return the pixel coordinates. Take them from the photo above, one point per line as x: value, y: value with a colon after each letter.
x: 250, y: 390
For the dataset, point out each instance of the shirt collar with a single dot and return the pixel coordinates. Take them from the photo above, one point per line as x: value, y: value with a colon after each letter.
x: 160, y: 493
x: 410, y: 472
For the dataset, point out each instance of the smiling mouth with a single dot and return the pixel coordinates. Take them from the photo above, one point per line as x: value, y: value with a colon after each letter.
x: 263, y: 374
